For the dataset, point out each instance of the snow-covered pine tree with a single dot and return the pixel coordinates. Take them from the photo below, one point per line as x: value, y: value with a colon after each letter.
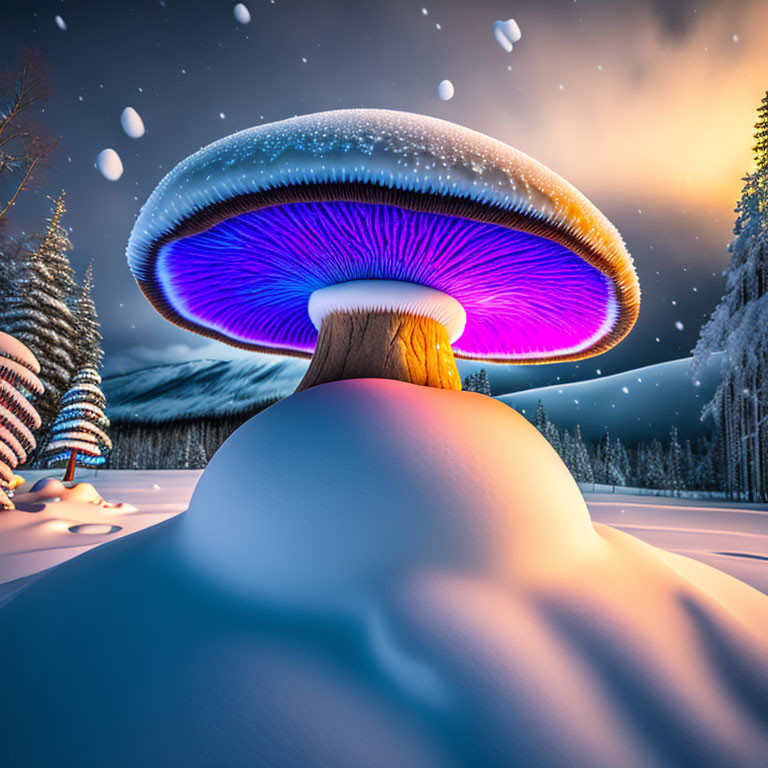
x: 689, y: 467
x: 709, y: 471
x: 478, y: 382
x: 37, y: 312
x: 582, y: 462
x: 13, y: 252
x: 612, y: 474
x: 552, y: 433
x: 623, y: 465
x: 739, y: 328
x: 548, y: 429
x: 653, y: 470
x: 674, y: 462
x: 88, y: 352
x: 81, y: 423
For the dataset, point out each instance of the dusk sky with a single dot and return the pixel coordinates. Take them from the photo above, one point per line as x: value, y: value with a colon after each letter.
x: 646, y: 106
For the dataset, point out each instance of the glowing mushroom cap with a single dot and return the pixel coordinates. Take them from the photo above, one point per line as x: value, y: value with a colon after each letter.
x: 236, y: 238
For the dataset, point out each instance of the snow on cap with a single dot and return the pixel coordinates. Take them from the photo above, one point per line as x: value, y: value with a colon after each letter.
x: 236, y: 238
x: 388, y: 295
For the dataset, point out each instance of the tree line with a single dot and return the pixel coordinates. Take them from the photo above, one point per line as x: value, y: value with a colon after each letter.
x: 41, y: 302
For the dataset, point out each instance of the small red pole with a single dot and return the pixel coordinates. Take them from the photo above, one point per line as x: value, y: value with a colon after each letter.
x: 69, y: 475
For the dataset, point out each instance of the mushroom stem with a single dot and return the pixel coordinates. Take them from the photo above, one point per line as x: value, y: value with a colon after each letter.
x: 382, y: 345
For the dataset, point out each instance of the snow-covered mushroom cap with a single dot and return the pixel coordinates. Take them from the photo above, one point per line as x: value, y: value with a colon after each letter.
x: 237, y: 237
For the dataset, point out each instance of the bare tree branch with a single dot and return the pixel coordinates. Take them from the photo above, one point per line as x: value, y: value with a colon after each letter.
x: 24, y: 142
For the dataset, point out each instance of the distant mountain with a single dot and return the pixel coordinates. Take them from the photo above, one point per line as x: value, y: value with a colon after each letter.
x: 636, y: 405
x: 199, y: 388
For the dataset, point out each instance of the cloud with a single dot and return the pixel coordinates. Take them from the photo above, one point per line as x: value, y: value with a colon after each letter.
x: 642, y: 115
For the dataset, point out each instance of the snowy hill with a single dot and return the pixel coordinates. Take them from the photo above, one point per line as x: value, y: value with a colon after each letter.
x: 635, y: 405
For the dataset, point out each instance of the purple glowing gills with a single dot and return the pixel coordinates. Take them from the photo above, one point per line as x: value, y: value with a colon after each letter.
x: 250, y: 277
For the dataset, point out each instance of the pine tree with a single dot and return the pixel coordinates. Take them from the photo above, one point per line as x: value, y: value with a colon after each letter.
x: 478, y: 382
x: 81, y: 424
x: 552, y: 434
x: 541, y: 417
x: 583, y: 464
x: 37, y: 312
x: 88, y: 352
x: 609, y: 455
x: 623, y: 466
x: 739, y: 328
x: 674, y: 462
x: 653, y: 470
x: 689, y: 467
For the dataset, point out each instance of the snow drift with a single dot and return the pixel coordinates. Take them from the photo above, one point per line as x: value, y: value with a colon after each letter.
x: 377, y: 573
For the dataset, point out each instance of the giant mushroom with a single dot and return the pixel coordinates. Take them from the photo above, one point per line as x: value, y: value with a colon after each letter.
x: 377, y: 573
x: 382, y: 244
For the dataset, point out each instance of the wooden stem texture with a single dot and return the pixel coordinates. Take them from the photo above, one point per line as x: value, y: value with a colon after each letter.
x: 69, y: 475
x: 382, y: 345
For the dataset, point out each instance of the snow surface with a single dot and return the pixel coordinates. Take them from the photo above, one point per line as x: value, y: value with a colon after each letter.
x: 656, y: 397
x: 376, y: 573
x: 36, y: 535
x: 382, y: 148
x: 733, y: 539
x: 388, y: 295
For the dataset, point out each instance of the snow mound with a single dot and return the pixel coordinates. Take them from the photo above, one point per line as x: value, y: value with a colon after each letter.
x: 660, y: 395
x: 376, y: 573
x: 38, y: 534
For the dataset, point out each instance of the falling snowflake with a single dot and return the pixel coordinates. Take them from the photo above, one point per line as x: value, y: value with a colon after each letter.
x: 242, y: 14
x: 445, y: 90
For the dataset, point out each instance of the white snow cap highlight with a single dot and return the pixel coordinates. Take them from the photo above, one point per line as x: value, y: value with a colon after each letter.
x: 388, y: 296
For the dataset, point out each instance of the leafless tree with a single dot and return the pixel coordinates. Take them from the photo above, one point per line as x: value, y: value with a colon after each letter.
x: 24, y: 142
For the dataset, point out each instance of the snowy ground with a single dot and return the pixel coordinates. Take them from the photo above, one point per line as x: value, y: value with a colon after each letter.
x: 733, y: 539
x: 412, y: 561
x: 39, y: 536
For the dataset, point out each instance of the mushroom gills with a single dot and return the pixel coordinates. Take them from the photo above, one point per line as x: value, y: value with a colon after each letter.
x: 386, y: 330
